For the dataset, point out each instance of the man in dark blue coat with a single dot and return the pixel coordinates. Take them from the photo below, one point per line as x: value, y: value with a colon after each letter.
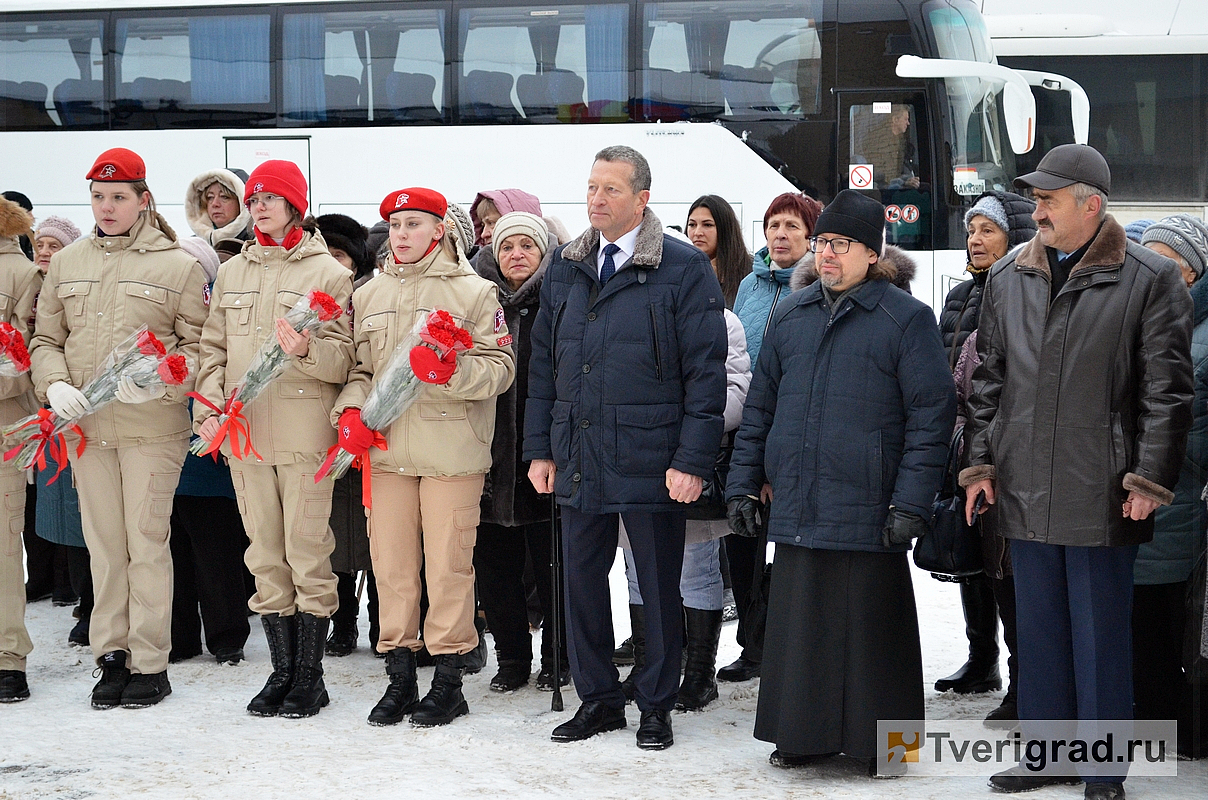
x: 627, y: 387
x: 849, y: 418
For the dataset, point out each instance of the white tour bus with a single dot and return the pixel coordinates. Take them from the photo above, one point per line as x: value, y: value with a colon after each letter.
x: 741, y: 98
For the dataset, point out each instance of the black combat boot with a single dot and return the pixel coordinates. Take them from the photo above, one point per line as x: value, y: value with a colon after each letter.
x: 699, y: 687
x: 402, y: 694
x: 980, y: 673
x: 146, y: 690
x: 444, y: 702
x: 307, y: 694
x: 13, y: 686
x: 114, y: 676
x: 279, y: 631
x: 637, y: 622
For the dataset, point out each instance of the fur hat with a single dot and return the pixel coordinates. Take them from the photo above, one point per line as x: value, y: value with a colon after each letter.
x: 200, y: 249
x: 57, y: 228
x: 415, y: 198
x: 855, y: 216
x: 278, y: 177
x: 118, y: 165
x: 20, y: 199
x: 345, y: 233
x: 1184, y: 234
x: 14, y: 220
x: 516, y: 222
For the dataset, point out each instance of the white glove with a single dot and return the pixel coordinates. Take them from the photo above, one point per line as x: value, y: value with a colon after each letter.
x: 67, y: 401
x: 130, y: 392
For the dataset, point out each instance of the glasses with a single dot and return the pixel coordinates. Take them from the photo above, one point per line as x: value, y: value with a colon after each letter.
x: 265, y: 199
x: 838, y: 246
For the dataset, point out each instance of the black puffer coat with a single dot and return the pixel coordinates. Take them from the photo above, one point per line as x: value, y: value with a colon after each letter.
x: 959, y: 317
x: 1079, y: 402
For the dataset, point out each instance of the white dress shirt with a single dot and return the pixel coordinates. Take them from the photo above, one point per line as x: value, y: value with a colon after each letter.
x: 627, y: 242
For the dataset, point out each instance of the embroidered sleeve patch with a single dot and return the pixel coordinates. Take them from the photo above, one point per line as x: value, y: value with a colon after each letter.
x: 499, y: 320
x: 504, y: 341
x: 206, y: 291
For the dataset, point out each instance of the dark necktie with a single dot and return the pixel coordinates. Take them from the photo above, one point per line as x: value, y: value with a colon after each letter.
x: 610, y: 266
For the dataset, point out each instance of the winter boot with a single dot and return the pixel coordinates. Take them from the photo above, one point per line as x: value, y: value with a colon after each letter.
x: 444, y: 702
x: 637, y: 622
x: 402, y: 694
x: 114, y: 676
x: 343, y: 639
x: 545, y: 678
x: 476, y: 659
x: 279, y: 631
x: 623, y: 655
x: 980, y: 672
x: 699, y: 687
x: 146, y: 690
x: 307, y: 694
x: 13, y: 686
x: 512, y: 674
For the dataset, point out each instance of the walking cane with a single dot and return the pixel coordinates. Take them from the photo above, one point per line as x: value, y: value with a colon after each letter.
x: 555, y: 566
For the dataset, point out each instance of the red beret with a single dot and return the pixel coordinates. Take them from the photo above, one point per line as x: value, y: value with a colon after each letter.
x: 414, y: 199
x: 278, y: 177
x: 118, y: 165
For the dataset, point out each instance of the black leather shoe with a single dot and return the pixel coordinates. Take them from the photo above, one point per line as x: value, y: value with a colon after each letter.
x: 1005, y: 717
x: 146, y: 690
x: 784, y: 760
x: 13, y: 686
x: 654, y: 731
x: 592, y: 717
x: 743, y: 669
x: 343, y: 640
x: 1104, y: 791
x: 1018, y: 779
x: 229, y: 655
x: 972, y: 678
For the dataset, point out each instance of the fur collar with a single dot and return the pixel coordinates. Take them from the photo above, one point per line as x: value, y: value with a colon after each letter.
x: 1107, y: 250
x: 195, y: 212
x: 14, y: 220
x: 895, y: 265
x: 648, y: 251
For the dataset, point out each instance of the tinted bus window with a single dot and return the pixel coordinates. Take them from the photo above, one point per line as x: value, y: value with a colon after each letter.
x: 736, y: 59
x: 50, y: 74
x: 959, y: 30
x: 544, y: 64
x: 364, y: 67
x: 196, y: 71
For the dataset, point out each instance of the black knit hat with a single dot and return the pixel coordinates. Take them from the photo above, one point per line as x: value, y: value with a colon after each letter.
x: 855, y: 216
x: 345, y: 233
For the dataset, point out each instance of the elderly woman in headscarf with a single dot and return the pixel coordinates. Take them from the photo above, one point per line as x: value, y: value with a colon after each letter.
x: 214, y: 207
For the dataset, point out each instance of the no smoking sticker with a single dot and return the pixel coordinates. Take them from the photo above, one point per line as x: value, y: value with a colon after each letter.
x: 859, y: 176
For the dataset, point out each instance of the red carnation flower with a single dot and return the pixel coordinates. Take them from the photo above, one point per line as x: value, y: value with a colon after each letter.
x: 173, y: 369
x: 444, y: 334
x: 150, y: 345
x: 12, y: 349
x: 326, y: 306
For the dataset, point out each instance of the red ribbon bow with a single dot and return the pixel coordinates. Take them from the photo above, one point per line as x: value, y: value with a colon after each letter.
x: 49, y: 442
x: 360, y: 462
x: 234, y: 426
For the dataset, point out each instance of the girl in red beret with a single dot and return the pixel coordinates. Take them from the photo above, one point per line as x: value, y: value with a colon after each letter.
x: 285, y: 512
x: 427, y: 485
x: 128, y: 273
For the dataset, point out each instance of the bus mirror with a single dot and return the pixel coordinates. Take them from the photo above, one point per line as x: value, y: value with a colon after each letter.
x: 1080, y: 105
x: 1019, y: 107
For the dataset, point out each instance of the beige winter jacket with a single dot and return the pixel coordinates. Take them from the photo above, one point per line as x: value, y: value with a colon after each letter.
x: 448, y: 430
x: 97, y: 291
x: 20, y: 281
x: 289, y: 420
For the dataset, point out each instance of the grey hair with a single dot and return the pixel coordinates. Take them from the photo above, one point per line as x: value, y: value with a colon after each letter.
x: 1084, y: 191
x: 640, y: 182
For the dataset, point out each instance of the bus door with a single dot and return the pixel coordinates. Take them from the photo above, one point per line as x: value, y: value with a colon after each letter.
x: 883, y: 151
x: 248, y: 152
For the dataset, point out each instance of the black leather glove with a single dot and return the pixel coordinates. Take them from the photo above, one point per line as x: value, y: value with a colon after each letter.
x: 743, y: 514
x: 901, y: 527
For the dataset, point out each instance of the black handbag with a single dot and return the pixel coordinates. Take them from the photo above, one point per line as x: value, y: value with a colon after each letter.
x: 951, y: 549
x: 712, y: 501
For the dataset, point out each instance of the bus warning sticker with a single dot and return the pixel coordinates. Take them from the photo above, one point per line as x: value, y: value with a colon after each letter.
x: 859, y: 176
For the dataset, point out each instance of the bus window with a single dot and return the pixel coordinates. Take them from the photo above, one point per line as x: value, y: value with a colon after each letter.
x: 50, y: 74
x: 883, y: 137
x: 363, y: 67
x: 197, y: 71
x: 959, y: 30
x: 544, y: 64
x: 705, y: 60
x: 885, y: 160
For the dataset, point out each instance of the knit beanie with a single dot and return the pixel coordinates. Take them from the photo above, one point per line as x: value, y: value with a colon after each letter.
x: 516, y: 222
x: 57, y: 228
x: 992, y: 209
x: 345, y: 233
x: 458, y: 221
x: 1184, y: 234
x: 278, y: 177
x: 378, y: 235
x: 854, y: 216
x: 1136, y: 229
x: 200, y: 249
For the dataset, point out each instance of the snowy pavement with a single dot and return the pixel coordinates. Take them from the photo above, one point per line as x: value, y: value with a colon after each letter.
x: 200, y: 743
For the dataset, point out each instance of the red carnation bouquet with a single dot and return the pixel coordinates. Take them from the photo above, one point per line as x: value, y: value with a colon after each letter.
x: 269, y: 363
x: 14, y: 358
x: 141, y: 356
x: 396, y: 386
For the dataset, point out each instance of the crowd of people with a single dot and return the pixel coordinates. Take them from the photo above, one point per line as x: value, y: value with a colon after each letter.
x: 678, y: 396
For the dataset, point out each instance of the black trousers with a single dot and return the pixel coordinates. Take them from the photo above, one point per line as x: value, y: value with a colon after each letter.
x: 79, y: 565
x: 749, y: 582
x: 499, y: 559
x: 207, y: 544
x: 589, y: 548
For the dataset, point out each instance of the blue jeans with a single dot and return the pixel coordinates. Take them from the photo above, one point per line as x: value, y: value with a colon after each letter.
x: 700, y: 578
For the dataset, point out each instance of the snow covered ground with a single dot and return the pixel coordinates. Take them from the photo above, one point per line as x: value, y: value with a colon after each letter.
x: 199, y: 743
